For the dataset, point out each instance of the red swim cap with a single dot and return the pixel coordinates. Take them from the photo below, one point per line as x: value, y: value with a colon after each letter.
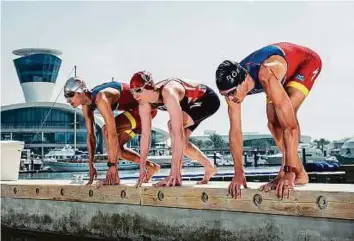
x: 140, y: 79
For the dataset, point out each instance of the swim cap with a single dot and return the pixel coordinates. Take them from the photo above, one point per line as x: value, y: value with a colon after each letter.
x: 141, y: 78
x: 74, y: 85
x: 229, y: 75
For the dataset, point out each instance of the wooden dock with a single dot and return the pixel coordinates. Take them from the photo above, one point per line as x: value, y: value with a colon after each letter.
x: 312, y: 200
x: 321, y: 202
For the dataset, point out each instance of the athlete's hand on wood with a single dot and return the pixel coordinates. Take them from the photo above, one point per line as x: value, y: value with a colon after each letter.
x: 93, y: 174
x: 285, y: 184
x: 235, y: 185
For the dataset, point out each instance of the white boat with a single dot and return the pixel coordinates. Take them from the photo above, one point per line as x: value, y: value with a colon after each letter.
x: 219, y: 159
x: 30, y: 161
x: 312, y: 155
x: 65, y: 153
x: 165, y: 160
x: 346, y: 154
x: 69, y: 160
x: 37, y: 163
x: 83, y: 166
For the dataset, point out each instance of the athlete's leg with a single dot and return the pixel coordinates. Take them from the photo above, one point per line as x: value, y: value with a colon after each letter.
x: 131, y: 155
x: 209, y: 104
x: 201, y: 109
x: 296, y: 98
x: 127, y: 123
x: 194, y: 153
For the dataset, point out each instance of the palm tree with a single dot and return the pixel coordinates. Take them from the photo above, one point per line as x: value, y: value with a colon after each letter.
x: 260, y: 144
x: 321, y: 143
x: 218, y: 142
x: 207, y: 144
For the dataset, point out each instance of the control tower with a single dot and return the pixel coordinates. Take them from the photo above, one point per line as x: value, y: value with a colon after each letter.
x: 37, y: 70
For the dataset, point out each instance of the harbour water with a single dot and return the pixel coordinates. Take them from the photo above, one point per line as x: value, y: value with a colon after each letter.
x: 21, y: 235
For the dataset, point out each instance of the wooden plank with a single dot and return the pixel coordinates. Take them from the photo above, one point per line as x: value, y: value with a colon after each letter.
x: 312, y: 200
x: 301, y: 203
x: 80, y: 193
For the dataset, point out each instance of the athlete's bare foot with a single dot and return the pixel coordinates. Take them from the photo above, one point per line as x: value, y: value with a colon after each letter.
x: 151, y: 170
x: 272, y: 185
x: 170, y: 181
x: 301, y: 179
x: 209, y: 173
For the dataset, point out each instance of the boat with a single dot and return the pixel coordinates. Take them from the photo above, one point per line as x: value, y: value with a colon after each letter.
x: 312, y: 155
x: 68, y: 159
x: 65, y: 153
x: 83, y: 166
x: 346, y: 153
x: 165, y: 160
x: 29, y: 161
x: 219, y: 159
x: 216, y: 158
x: 36, y: 162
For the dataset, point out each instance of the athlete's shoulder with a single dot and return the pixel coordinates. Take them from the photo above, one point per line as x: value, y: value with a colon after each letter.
x: 291, y: 47
x: 112, y: 84
x: 254, y: 60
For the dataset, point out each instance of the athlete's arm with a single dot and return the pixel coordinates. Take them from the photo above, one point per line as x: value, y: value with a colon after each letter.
x: 104, y: 106
x: 91, y: 140
x: 236, y: 146
x: 235, y: 134
x: 171, y: 101
x: 271, y: 74
x: 91, y: 137
x: 145, y: 117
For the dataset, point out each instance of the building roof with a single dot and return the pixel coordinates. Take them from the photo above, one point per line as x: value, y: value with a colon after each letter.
x: 29, y: 51
x: 66, y: 107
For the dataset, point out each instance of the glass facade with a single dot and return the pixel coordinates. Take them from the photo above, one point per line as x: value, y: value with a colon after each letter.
x: 259, y: 143
x: 135, y: 142
x: 37, y: 68
x: 33, y: 117
x: 26, y: 125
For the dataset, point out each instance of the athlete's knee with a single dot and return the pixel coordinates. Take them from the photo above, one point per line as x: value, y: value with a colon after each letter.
x: 292, y: 130
x: 271, y: 125
x: 121, y: 144
x: 188, y: 147
x: 186, y: 140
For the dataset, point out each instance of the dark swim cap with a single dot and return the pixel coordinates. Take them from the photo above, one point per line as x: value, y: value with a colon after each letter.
x: 229, y: 75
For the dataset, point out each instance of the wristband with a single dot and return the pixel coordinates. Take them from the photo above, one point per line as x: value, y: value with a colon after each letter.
x: 111, y: 164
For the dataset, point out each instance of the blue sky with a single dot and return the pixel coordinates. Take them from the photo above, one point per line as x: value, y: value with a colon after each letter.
x: 188, y: 40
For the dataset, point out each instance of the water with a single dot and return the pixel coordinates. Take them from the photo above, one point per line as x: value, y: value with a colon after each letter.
x: 21, y: 235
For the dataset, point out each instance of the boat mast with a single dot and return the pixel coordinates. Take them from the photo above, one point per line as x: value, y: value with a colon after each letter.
x: 75, y: 118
